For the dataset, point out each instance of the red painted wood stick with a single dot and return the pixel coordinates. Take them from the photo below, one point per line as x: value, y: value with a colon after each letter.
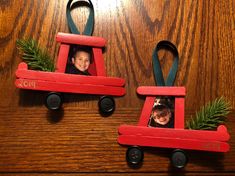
x: 220, y: 135
x: 164, y: 142
x: 80, y: 40
x: 69, y: 87
x: 157, y: 90
x: 69, y: 78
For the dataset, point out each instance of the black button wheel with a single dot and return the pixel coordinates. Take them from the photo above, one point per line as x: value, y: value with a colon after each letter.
x: 134, y: 155
x: 179, y: 159
x: 54, y: 101
x: 106, y: 105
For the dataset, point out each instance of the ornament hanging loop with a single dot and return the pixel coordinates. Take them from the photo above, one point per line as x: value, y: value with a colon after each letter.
x: 159, y: 79
x: 88, y: 30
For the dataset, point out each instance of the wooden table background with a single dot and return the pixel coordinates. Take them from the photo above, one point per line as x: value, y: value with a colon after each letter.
x: 77, y: 140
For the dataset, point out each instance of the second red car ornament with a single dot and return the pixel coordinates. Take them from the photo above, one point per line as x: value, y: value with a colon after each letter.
x: 161, y: 122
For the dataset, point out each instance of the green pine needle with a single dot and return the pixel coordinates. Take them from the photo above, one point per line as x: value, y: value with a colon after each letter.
x: 210, y: 116
x: 36, y: 58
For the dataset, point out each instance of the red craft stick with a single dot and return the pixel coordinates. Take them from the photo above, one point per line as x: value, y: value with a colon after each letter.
x: 146, y: 111
x: 166, y: 142
x: 220, y: 135
x: 179, y: 113
x: 22, y: 66
x: 92, y: 67
x: 69, y: 78
x: 157, y: 90
x: 99, y: 61
x: 62, y: 58
x: 69, y: 87
x: 80, y: 40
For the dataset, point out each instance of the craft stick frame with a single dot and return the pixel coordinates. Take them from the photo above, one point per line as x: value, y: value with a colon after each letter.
x: 97, y: 67
x: 151, y: 92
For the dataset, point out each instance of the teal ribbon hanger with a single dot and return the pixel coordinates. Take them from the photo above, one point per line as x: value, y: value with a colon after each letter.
x: 159, y: 79
x: 90, y: 21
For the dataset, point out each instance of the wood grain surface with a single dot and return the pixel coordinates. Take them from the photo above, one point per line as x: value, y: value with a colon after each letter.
x: 77, y: 139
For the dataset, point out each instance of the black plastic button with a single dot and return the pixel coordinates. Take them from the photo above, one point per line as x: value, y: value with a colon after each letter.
x: 106, y: 105
x: 179, y: 159
x: 134, y: 155
x: 53, y: 101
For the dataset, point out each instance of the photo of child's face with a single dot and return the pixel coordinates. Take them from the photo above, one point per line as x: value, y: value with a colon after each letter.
x: 161, y: 115
x: 81, y: 60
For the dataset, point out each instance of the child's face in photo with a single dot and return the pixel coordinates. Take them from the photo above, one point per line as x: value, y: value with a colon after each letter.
x: 161, y: 115
x: 81, y: 60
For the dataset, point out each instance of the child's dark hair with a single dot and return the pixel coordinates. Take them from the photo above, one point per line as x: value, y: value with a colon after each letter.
x: 82, y: 48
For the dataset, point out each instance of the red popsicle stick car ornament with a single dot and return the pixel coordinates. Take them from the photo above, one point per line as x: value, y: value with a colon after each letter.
x: 174, y: 136
x: 59, y: 81
x: 97, y: 83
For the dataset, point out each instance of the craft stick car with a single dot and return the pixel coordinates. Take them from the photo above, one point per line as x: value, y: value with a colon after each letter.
x: 176, y: 138
x: 59, y: 81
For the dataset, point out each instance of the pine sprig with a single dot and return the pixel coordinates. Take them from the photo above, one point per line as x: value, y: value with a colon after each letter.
x: 210, y: 116
x: 34, y: 56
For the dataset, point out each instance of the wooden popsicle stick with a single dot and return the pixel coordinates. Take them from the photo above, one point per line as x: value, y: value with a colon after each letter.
x: 179, y: 113
x: 99, y: 62
x: 146, y: 111
x: 220, y: 134
x: 164, y: 142
x: 62, y: 58
x: 80, y: 40
x: 158, y: 90
x: 69, y: 87
x: 69, y: 78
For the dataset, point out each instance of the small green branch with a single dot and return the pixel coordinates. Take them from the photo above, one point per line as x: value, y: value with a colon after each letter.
x: 36, y: 58
x: 210, y: 116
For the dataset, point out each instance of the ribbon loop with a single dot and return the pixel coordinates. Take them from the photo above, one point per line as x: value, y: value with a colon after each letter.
x: 88, y: 30
x: 159, y: 79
